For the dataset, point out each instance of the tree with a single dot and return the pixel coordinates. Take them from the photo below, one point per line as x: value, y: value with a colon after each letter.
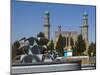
x: 23, y: 50
x: 92, y: 49
x: 60, y: 45
x: 51, y: 45
x: 64, y: 41
x: 32, y: 40
x: 15, y: 46
x: 40, y: 34
x: 43, y: 41
x: 74, y: 50
x: 71, y: 42
x: 79, y: 46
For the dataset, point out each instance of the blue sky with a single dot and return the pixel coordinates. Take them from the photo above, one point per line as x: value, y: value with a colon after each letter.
x: 28, y: 18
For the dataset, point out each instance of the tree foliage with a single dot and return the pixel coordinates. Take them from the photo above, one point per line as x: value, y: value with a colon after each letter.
x: 92, y: 49
x: 40, y: 34
x: 51, y: 46
x: 43, y: 41
x: 15, y: 46
x: 60, y: 45
x: 32, y: 40
x: 79, y: 46
x: 64, y: 41
x: 71, y: 42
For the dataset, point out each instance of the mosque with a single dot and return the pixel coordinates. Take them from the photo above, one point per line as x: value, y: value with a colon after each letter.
x: 67, y: 34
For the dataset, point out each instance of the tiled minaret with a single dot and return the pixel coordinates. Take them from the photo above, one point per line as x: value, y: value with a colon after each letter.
x: 47, y: 24
x: 85, y: 31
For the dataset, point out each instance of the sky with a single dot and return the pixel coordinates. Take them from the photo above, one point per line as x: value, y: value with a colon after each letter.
x: 28, y: 18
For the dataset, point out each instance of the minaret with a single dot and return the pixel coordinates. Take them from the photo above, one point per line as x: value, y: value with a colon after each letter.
x: 85, y: 31
x: 47, y: 25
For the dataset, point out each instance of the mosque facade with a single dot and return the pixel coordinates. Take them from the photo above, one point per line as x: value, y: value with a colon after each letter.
x: 67, y: 34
